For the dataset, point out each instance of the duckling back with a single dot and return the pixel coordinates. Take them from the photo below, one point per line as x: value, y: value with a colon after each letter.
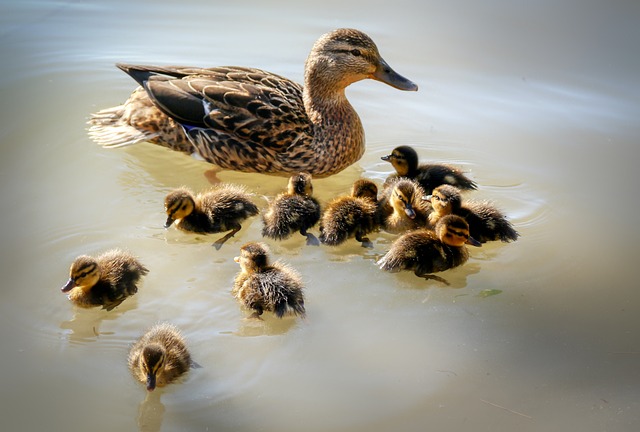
x: 345, y: 217
x: 487, y: 223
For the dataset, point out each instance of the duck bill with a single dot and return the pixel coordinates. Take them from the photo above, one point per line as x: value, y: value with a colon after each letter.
x: 473, y: 242
x: 151, y: 382
x: 68, y: 286
x: 427, y: 198
x: 410, y: 212
x: 236, y: 259
x: 386, y: 158
x: 385, y: 74
x: 169, y: 222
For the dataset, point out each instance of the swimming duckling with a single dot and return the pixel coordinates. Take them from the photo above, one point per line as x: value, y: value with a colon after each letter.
x: 405, y: 161
x: 106, y: 280
x: 486, y: 222
x: 159, y: 357
x: 401, y: 207
x: 425, y: 251
x: 264, y: 286
x: 293, y: 210
x: 351, y: 215
x: 221, y: 209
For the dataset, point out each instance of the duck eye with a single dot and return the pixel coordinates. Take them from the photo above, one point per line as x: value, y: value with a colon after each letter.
x: 356, y: 52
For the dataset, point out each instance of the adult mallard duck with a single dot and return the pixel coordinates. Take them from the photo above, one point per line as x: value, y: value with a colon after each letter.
x: 425, y: 251
x: 405, y: 161
x: 106, y: 280
x: 401, y: 207
x: 264, y: 286
x: 353, y: 215
x: 251, y: 120
x: 159, y: 357
x: 295, y: 210
x: 221, y: 209
x: 486, y: 222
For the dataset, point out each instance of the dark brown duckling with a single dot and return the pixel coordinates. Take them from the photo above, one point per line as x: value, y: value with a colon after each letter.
x: 219, y: 210
x: 405, y: 161
x: 159, y: 357
x: 486, y: 222
x: 264, y: 286
x: 295, y: 210
x: 352, y: 215
x: 106, y: 280
x: 401, y: 207
x: 425, y: 251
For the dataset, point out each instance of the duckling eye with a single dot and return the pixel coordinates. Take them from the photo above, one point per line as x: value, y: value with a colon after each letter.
x: 356, y: 52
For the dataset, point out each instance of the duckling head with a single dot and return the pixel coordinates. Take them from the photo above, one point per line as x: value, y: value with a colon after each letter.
x: 253, y: 257
x: 152, y: 362
x: 402, y: 197
x: 454, y: 231
x: 178, y: 204
x: 364, y: 188
x: 300, y: 184
x: 84, y: 273
x: 404, y: 160
x: 445, y: 199
x: 344, y: 56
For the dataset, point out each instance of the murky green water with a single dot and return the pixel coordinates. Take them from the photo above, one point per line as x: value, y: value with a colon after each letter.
x: 539, y: 103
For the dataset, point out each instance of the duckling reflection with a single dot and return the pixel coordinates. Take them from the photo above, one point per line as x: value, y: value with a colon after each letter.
x: 219, y: 210
x: 401, y: 207
x: 106, y: 280
x: 151, y: 413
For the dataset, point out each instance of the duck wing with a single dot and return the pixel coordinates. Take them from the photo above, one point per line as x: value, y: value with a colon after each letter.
x: 231, y: 113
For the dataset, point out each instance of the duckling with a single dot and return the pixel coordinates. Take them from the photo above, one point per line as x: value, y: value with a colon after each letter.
x: 405, y: 161
x: 264, y: 286
x: 351, y: 215
x: 401, y: 207
x: 486, y: 222
x: 425, y: 251
x: 221, y: 209
x: 159, y: 357
x: 293, y: 210
x: 106, y: 280
x: 251, y: 120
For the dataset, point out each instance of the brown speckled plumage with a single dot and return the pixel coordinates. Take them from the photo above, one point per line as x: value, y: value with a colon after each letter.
x: 252, y: 120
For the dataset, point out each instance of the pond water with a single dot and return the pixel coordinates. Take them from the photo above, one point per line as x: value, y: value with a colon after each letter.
x: 538, y: 102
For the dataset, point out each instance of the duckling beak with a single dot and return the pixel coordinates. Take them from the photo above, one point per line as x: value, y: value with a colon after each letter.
x: 409, y: 211
x: 427, y: 198
x: 236, y: 259
x: 169, y: 222
x: 385, y: 74
x: 386, y: 158
x: 473, y: 242
x: 69, y: 286
x: 151, y: 381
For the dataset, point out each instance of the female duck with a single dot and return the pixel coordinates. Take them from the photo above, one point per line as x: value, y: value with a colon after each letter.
x: 159, y: 357
x: 106, y: 280
x: 486, y: 222
x: 219, y: 210
x: 292, y: 211
x: 264, y: 286
x: 251, y: 120
x: 352, y: 215
x: 405, y: 161
x: 425, y: 251
x: 401, y: 207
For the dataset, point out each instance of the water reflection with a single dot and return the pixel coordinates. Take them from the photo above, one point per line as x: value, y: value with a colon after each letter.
x: 267, y: 325
x: 85, y: 324
x: 151, y: 412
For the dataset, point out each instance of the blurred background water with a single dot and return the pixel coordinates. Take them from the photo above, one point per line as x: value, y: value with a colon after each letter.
x: 537, y: 101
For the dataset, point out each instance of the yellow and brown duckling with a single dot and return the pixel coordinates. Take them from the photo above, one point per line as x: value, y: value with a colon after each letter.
x: 405, y: 161
x: 353, y: 215
x: 486, y: 222
x: 251, y: 120
x: 159, y: 357
x: 106, y: 280
x: 264, y: 286
x: 219, y: 210
x: 401, y: 207
x: 295, y: 210
x: 425, y: 251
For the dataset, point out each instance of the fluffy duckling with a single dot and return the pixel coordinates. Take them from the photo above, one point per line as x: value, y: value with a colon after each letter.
x: 486, y: 222
x: 401, y: 207
x: 293, y: 210
x: 425, y: 251
x: 221, y: 209
x: 352, y: 215
x: 159, y: 357
x: 264, y: 286
x: 106, y: 280
x: 405, y: 161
